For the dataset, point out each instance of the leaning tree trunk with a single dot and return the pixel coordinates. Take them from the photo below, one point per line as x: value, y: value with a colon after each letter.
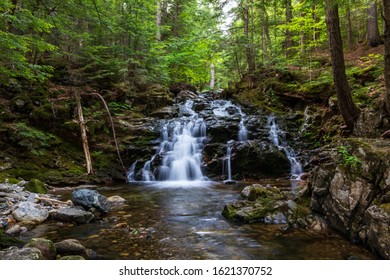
x: 347, y: 107
x: 84, y: 137
x: 386, y: 15
x: 373, y: 36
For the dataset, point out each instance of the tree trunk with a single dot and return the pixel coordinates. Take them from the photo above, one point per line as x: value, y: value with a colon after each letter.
x: 265, y: 38
x: 373, y: 36
x: 347, y: 107
x: 84, y: 137
x: 212, y: 77
x: 386, y: 15
x: 289, y: 43
x: 158, y: 21
x: 248, y: 44
x: 349, y: 29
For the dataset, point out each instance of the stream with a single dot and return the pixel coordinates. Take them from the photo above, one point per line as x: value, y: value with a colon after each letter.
x: 184, y: 222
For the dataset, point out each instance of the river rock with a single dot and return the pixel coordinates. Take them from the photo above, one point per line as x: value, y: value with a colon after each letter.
x: 14, y: 230
x: 70, y: 247
x: 46, y: 247
x: 72, y: 258
x: 22, y: 254
x: 87, y: 199
x: 72, y: 215
x: 185, y: 95
x: 116, y: 200
x: 178, y: 87
x: 30, y: 212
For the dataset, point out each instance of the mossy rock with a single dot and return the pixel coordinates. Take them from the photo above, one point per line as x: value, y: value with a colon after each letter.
x: 8, y: 241
x: 72, y: 258
x: 36, y: 186
x: 47, y: 247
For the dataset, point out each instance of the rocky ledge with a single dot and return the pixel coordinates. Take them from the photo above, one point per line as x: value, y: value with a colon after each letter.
x: 350, y: 188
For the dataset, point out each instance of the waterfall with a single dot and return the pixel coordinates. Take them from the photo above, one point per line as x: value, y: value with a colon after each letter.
x: 278, y: 138
x: 180, y: 149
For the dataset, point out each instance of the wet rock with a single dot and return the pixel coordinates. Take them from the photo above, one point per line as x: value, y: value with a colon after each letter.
x: 87, y: 199
x: 22, y: 254
x: 72, y: 215
x: 116, y: 200
x: 69, y: 247
x: 256, y: 191
x: 185, y: 95
x: 46, y: 247
x: 14, y: 230
x: 29, y: 212
x: 378, y: 230
x: 165, y: 112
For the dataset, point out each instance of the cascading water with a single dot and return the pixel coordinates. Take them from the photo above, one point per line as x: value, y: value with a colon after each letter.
x: 180, y: 150
x: 227, y: 162
x: 278, y: 138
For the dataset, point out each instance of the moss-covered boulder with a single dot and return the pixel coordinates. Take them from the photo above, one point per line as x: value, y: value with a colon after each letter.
x: 36, y: 186
x: 47, y: 247
x: 8, y: 241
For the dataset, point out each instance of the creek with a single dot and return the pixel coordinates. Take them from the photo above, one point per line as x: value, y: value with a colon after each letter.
x: 175, y: 222
x: 176, y: 194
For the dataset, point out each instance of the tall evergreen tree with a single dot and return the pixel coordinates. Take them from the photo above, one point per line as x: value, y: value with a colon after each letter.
x: 347, y: 107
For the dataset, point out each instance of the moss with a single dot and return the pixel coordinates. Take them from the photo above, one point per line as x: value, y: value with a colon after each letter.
x: 46, y: 246
x: 8, y: 241
x: 386, y: 207
x: 36, y: 186
x: 13, y: 181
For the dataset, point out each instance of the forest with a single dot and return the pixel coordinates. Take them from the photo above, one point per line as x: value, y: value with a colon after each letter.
x: 283, y: 105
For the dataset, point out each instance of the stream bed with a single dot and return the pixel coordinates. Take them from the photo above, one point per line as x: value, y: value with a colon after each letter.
x: 165, y: 220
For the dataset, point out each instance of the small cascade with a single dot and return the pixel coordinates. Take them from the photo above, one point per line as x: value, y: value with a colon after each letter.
x: 147, y: 172
x: 278, y: 138
x: 131, y: 173
x: 227, y: 162
x: 243, y: 132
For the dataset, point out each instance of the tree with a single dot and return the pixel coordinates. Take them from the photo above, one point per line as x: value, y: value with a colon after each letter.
x: 289, y: 42
x: 347, y: 107
x: 386, y: 15
x: 373, y: 36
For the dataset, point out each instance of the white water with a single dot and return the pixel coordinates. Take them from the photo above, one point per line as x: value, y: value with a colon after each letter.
x: 278, y: 138
x: 227, y: 161
x: 180, y: 150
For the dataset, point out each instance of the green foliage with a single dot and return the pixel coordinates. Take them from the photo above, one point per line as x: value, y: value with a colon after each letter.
x: 347, y: 158
x: 119, y: 109
x: 32, y: 139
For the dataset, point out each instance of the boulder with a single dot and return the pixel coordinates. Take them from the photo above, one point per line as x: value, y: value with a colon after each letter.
x: 36, y: 186
x: 72, y: 215
x: 30, y: 213
x: 87, y: 199
x: 116, y: 200
x: 69, y: 247
x: 72, y: 258
x: 185, y: 95
x: 23, y: 254
x: 178, y: 87
x: 46, y: 247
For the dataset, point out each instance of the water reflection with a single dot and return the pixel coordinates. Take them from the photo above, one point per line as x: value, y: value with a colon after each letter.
x: 184, y: 222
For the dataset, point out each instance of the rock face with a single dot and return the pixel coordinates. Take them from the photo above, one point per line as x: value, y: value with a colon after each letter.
x: 350, y: 190
x: 90, y: 198
x: 30, y: 212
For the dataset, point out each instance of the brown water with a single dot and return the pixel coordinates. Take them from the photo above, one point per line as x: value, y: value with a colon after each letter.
x: 184, y: 222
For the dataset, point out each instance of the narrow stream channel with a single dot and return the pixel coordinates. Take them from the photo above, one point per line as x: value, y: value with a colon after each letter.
x: 184, y: 222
